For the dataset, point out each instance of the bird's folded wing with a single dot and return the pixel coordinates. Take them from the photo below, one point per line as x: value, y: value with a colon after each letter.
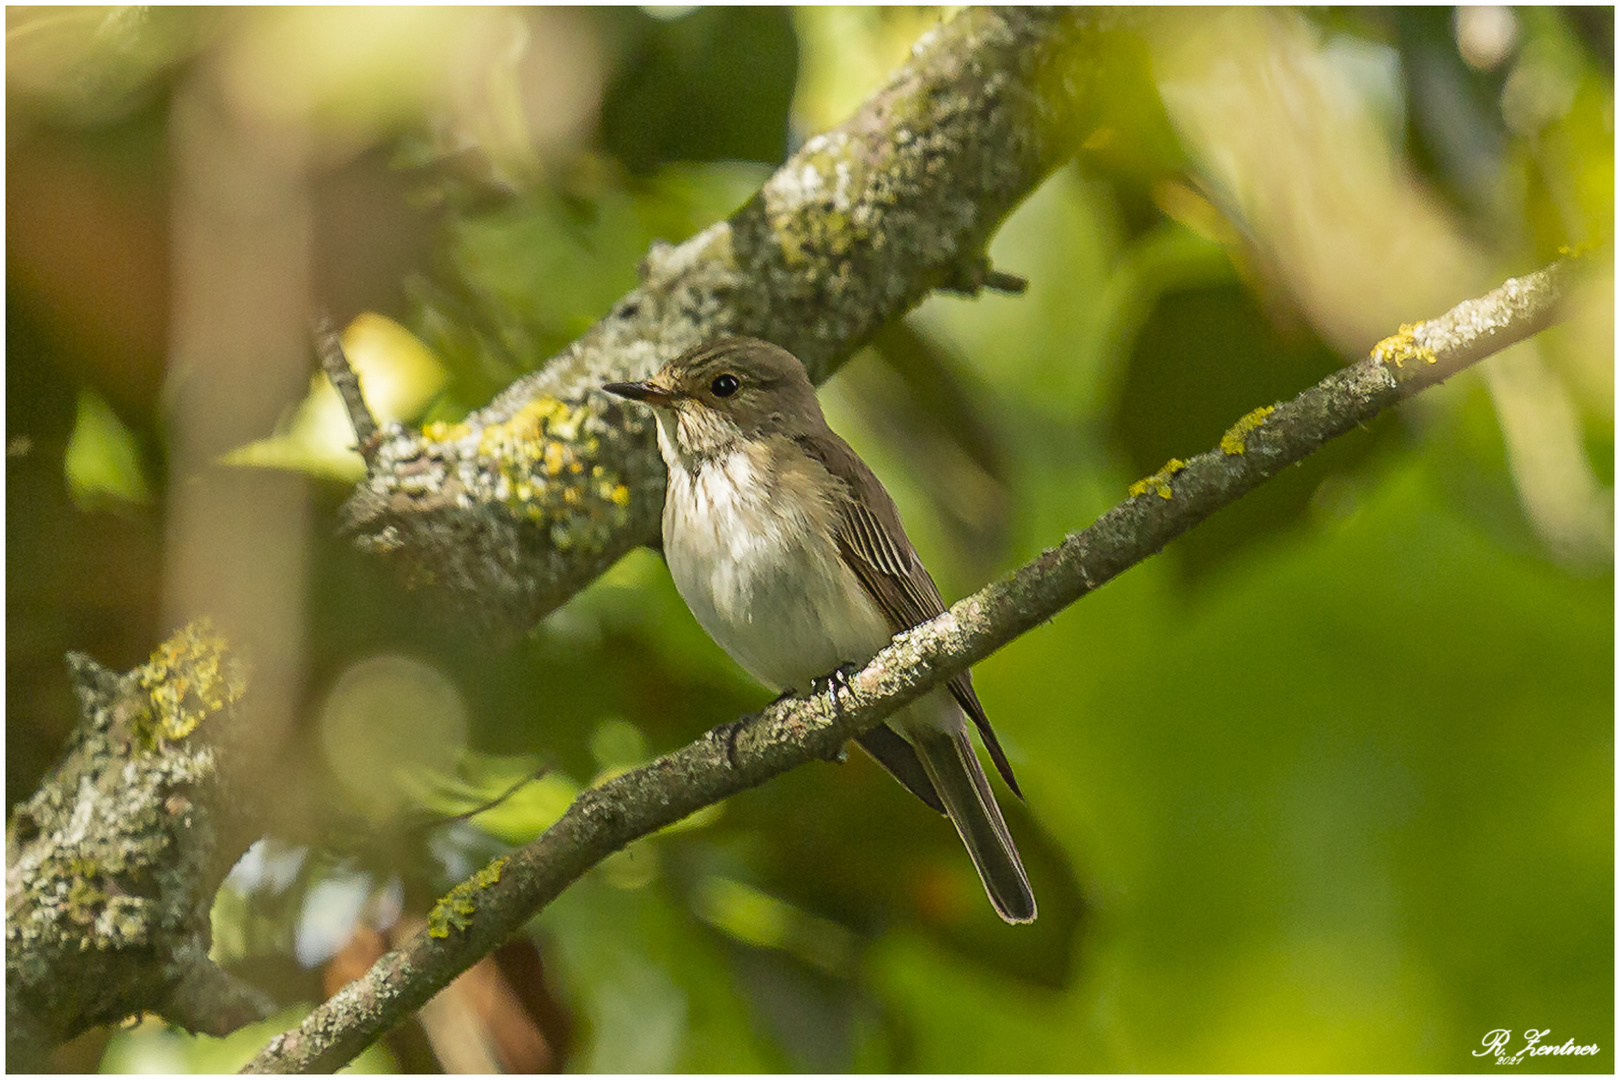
x: 873, y: 544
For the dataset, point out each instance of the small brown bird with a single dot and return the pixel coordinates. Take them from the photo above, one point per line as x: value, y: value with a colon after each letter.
x: 791, y: 555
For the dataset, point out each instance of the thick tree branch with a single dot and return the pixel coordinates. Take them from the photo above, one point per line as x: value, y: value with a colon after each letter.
x: 529, y: 499
x: 794, y: 732
x: 112, y: 865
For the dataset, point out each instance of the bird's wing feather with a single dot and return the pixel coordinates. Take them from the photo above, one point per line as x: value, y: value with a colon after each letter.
x: 873, y: 543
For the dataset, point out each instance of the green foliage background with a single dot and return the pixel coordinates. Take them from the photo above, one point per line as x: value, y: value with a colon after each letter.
x: 1327, y: 786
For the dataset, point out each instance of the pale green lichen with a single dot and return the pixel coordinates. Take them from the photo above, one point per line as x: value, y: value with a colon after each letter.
x: 825, y: 174
x: 1402, y: 346
x: 456, y: 910
x: 1235, y: 441
x: 85, y: 895
x: 1159, y: 482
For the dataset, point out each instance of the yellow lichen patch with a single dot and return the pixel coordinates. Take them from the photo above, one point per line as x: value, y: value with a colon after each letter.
x: 1159, y: 482
x: 1578, y: 251
x: 533, y: 448
x: 523, y: 434
x: 189, y: 677
x: 456, y: 910
x: 1236, y: 438
x: 1403, y: 346
x: 543, y: 465
x: 439, y: 431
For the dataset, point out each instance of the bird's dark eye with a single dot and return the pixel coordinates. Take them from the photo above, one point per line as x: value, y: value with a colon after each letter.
x: 724, y: 385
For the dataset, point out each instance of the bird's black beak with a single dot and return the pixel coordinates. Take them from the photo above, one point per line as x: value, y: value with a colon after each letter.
x: 645, y: 390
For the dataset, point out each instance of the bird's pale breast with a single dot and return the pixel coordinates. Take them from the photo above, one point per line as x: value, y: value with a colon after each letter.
x: 750, y: 547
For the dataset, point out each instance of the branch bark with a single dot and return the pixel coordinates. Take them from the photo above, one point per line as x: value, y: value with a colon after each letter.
x: 530, y: 498
x: 791, y: 733
x: 112, y: 865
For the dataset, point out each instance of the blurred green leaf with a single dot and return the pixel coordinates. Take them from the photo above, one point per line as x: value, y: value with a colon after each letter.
x: 398, y: 376
x: 103, y: 463
x: 757, y: 918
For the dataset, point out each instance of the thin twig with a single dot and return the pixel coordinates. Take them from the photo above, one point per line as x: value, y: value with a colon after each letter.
x: 490, y: 804
x: 347, y: 383
x: 972, y: 278
x: 795, y: 731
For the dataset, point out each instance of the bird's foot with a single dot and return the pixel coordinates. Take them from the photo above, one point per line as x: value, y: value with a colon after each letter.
x: 726, y: 734
x: 835, y: 680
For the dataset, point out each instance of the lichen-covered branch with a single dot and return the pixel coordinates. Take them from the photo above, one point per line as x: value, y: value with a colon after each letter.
x: 791, y: 733
x: 112, y: 865
x: 529, y: 499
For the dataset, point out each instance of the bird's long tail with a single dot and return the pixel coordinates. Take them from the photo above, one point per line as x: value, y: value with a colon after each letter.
x: 959, y: 779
